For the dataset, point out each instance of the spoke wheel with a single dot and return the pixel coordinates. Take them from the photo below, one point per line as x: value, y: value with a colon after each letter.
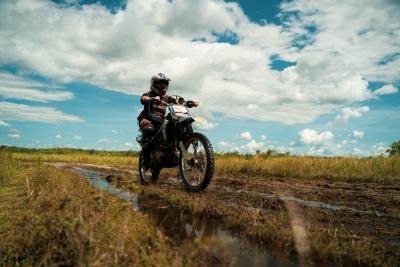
x: 197, y: 163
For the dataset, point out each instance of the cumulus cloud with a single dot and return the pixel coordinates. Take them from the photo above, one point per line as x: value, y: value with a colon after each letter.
x: 350, y: 112
x: 202, y: 124
x: 251, y: 147
x: 358, y: 134
x: 20, y: 112
x: 77, y: 137
x: 129, y: 145
x: 352, y: 32
x: 312, y: 137
x: 346, y: 142
x: 104, y: 140
x: 379, y: 148
x: 12, y: 86
x: 316, y: 151
x: 333, y: 63
x: 14, y: 134
x: 359, y: 152
x: 58, y: 136
x: 245, y: 136
x: 3, y: 123
x: 263, y: 137
x: 386, y: 90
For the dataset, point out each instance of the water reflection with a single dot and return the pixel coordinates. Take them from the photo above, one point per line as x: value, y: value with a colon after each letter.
x: 181, y: 226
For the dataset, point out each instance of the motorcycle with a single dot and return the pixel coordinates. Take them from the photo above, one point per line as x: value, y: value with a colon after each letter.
x: 175, y: 144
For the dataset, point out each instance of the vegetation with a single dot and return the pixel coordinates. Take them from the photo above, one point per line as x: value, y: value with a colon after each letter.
x: 53, y: 217
x: 394, y: 149
x: 269, y: 164
x: 372, y: 169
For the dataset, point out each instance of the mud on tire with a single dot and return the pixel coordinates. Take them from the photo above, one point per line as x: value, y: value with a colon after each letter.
x: 147, y: 179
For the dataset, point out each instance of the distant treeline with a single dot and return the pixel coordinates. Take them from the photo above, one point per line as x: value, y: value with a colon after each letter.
x: 265, y: 154
x: 67, y: 151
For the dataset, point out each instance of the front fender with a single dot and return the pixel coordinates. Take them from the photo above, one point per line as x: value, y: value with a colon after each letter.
x: 185, y: 121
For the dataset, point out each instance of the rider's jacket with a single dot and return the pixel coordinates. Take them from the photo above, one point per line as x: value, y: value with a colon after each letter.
x: 153, y: 110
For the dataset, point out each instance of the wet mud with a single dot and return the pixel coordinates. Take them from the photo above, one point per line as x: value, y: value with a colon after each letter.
x: 181, y: 226
x: 364, y: 209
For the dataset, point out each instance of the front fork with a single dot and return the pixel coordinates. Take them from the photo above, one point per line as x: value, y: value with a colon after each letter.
x: 179, y: 143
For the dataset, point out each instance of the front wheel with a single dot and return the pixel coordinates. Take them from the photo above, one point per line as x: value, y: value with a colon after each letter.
x: 197, y: 162
x: 147, y: 174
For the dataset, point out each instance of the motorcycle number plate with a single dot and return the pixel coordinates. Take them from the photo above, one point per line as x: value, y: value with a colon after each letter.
x: 179, y: 109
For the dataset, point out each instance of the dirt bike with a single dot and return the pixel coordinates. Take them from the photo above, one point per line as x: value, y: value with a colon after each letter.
x: 175, y: 144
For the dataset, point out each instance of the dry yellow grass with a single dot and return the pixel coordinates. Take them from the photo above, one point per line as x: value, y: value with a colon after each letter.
x: 111, y: 160
x: 376, y: 169
x: 51, y: 217
x: 372, y: 169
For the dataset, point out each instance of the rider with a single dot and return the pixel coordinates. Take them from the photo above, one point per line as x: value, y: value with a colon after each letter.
x: 153, y: 112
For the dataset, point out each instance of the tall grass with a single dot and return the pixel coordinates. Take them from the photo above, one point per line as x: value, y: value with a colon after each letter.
x: 376, y: 169
x: 372, y: 169
x: 111, y: 160
x: 50, y: 217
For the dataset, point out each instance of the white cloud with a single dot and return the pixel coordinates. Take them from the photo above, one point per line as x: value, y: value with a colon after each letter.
x: 331, y: 72
x: 15, y: 134
x: 58, y: 136
x: 202, y: 124
x: 346, y: 142
x: 379, y: 148
x: 114, y: 131
x: 386, y: 90
x: 245, y: 136
x: 104, y: 140
x: 3, y: 123
x: 316, y: 151
x: 312, y: 137
x: 358, y: 134
x: 129, y: 145
x: 352, y: 32
x: 224, y: 144
x: 20, y: 112
x: 350, y: 112
x: 15, y: 87
x: 251, y: 147
x: 360, y: 152
x: 77, y: 137
x: 263, y: 137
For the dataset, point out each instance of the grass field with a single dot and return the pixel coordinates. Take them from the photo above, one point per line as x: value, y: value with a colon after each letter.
x: 349, y: 169
x: 50, y: 216
x: 53, y: 217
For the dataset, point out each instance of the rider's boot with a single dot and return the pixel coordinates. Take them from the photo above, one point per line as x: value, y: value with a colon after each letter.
x: 146, y: 155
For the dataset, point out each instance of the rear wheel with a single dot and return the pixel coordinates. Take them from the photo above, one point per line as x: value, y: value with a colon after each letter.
x: 197, y: 163
x: 147, y: 175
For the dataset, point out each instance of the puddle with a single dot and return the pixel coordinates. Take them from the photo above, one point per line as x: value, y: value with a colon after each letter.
x: 316, y: 204
x: 181, y: 226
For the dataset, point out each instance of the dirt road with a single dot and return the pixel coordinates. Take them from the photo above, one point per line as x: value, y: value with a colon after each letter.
x: 361, y: 214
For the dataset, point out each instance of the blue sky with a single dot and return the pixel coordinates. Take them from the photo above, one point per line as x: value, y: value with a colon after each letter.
x: 296, y: 76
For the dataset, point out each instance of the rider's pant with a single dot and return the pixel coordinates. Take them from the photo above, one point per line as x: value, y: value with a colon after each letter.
x: 147, y: 126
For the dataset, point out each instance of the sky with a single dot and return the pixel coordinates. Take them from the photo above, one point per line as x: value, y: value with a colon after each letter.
x: 306, y: 77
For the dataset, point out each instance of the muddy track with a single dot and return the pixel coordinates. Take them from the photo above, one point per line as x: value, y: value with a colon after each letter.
x: 365, y: 209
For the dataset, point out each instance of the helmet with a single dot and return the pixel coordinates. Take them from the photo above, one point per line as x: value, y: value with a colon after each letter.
x: 159, y: 84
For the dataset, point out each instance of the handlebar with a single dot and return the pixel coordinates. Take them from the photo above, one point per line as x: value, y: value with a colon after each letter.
x: 189, y: 103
